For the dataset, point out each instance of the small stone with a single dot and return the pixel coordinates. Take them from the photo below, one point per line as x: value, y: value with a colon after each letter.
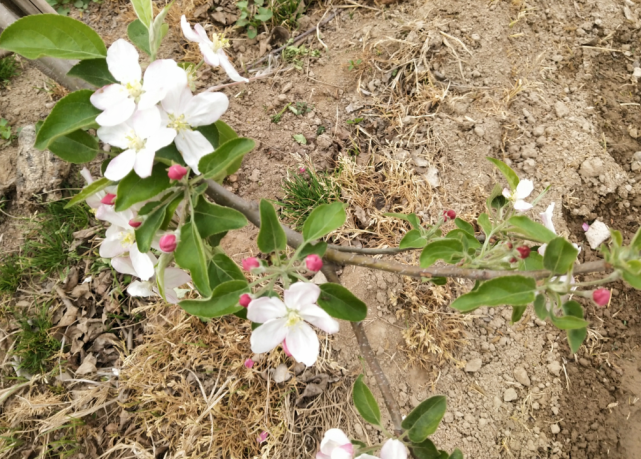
x: 554, y: 368
x: 482, y: 423
x: 479, y: 131
x: 254, y: 177
x: 282, y: 97
x: 358, y: 429
x: 584, y: 362
x: 539, y: 131
x: 474, y: 365
x: 555, y: 429
x: 597, y: 234
x: 555, y: 410
x: 510, y: 395
x: 432, y: 177
x: 536, y: 406
x: 288, y: 86
x: 420, y: 162
x: 561, y: 109
x: 540, y: 141
x: 521, y: 376
x: 449, y: 417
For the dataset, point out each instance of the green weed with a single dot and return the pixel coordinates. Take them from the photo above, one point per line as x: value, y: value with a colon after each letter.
x: 287, y: 12
x: 252, y: 16
x: 67, y: 445
x: 10, y: 273
x: 64, y: 6
x: 354, y: 64
x: 34, y: 345
x: 8, y: 69
x: 295, y: 55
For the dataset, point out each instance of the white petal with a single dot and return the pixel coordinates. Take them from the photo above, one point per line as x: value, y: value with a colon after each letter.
x: 542, y: 249
x: 161, y: 138
x: 193, y: 146
x: 393, y: 449
x: 524, y: 189
x: 94, y: 200
x: 303, y: 343
x: 301, y: 293
x: 268, y: 336
x: 206, y: 108
x: 188, y: 32
x: 141, y: 262
x: 123, y: 265
x: 177, y: 99
x: 118, y: 113
x: 121, y: 165
x: 332, y: 439
x: 266, y: 308
x: 144, y: 162
x: 319, y: 318
x: 171, y: 296
x: 546, y: 218
x: 175, y: 277
x: 366, y: 456
x: 210, y: 57
x: 86, y: 174
x: 202, y: 34
x: 160, y: 77
x: 122, y: 60
x: 108, y: 96
x: 116, y: 135
x: 119, y: 220
x: 229, y: 68
x: 137, y: 288
x: 146, y: 122
x: 522, y: 206
x: 111, y: 248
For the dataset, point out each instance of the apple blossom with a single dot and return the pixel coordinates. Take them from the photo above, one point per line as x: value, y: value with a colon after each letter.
x: 212, y: 50
x: 288, y: 321
x: 601, y: 296
x: 140, y: 137
x: 250, y: 263
x: 174, y: 278
x: 335, y: 445
x: 94, y: 201
x: 313, y: 262
x: 176, y: 172
x: 285, y: 350
x: 523, y: 190
x: 168, y: 243
x: 118, y: 101
x: 393, y: 449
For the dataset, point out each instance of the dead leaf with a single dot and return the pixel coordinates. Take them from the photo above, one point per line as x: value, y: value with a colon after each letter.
x: 281, y: 373
x: 71, y: 314
x: 80, y: 290
x: 72, y: 279
x: 106, y: 339
x: 86, y: 233
x: 88, y: 365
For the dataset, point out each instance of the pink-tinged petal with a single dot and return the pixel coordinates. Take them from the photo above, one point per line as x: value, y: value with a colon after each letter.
x: 333, y: 438
x: 144, y: 289
x: 111, y: 247
x: 171, y: 296
x: 122, y: 60
x: 188, y: 32
x: 141, y: 262
x: 320, y: 455
x: 319, y: 318
x: 301, y: 293
x: 86, y: 174
x: 546, y: 218
x: 211, y: 58
x: 175, y: 277
x: 123, y: 265
x: 303, y: 343
x: 393, y: 449
x: 366, y: 456
x: 268, y: 336
x: 161, y: 138
x: 229, y: 68
x: 206, y: 108
x: 146, y: 122
x: 116, y: 135
x: 202, y: 34
x: 108, y: 96
x: 160, y: 77
x: 117, y: 114
x: 193, y: 146
x: 266, y: 308
x: 121, y: 165
x: 522, y: 206
x: 144, y: 162
x: 119, y: 220
x: 524, y: 189
x: 177, y: 99
x: 94, y: 201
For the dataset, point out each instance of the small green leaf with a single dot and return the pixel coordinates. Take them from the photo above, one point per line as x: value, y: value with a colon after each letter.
x: 271, y: 235
x: 425, y: 450
x: 414, y: 221
x: 171, y: 153
x: 568, y: 322
x: 223, y: 300
x: 94, y: 71
x: 495, y: 200
x: 323, y: 220
x: 145, y: 233
x: 512, y: 290
x: 530, y: 230
x: 559, y: 256
x: 87, y: 191
x: 225, y: 133
x: 139, y: 36
x: 540, y: 307
x: 485, y: 224
x: 144, y: 11
x: 77, y: 147
x: 223, y: 269
x: 171, y: 210
x: 633, y: 279
x: 425, y: 418
x: 457, y: 454
x: 532, y: 263
x: 133, y: 189
x: 617, y: 238
x: 300, y: 138
x: 510, y: 175
x: 576, y: 336
x: 158, y: 29
x: 190, y: 255
x: 448, y: 250
x: 468, y: 240
x: 340, y: 303
x: 365, y: 402
x: 465, y: 226
x: 318, y: 248
x: 213, y: 219
x: 517, y: 313
x: 413, y: 240
x: 163, y: 261
x: 635, y: 244
x: 215, y: 165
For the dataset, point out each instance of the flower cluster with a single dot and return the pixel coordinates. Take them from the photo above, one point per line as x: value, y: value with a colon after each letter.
x: 336, y: 445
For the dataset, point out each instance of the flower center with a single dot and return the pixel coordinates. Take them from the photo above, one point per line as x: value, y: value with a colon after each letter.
x: 127, y: 238
x: 135, y: 89
x: 219, y: 42
x: 135, y: 143
x: 293, y: 317
x: 178, y: 122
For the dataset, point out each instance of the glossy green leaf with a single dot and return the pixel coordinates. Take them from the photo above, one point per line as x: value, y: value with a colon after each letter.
x: 223, y: 300
x: 318, y: 248
x: 170, y: 211
x: 210, y: 132
x: 340, y: 303
x: 511, y: 290
x: 94, y: 71
x: 365, y: 402
x: 171, y: 153
x: 225, y: 133
x: 323, y: 220
x: 52, y: 35
x: 223, y: 269
x: 457, y: 454
x: 271, y: 235
x: 465, y: 226
x: 413, y: 240
x: 213, y: 219
x: 540, y: 307
x: 576, y: 336
x: 468, y: 240
x: 139, y: 36
x: 144, y: 10
x: 438, y: 280
x: 532, y: 263
x: 425, y: 450
x: 448, y: 250
x: 216, y: 164
x: 425, y: 418
x: 133, y: 189
x: 568, y: 322
x: 87, y: 191
x: 72, y: 112
x: 485, y: 224
x: 617, y: 237
x: 522, y: 225
x: 145, y: 233
x: 517, y: 313
x: 559, y: 256
x: 508, y: 173
x: 77, y: 147
x: 190, y: 255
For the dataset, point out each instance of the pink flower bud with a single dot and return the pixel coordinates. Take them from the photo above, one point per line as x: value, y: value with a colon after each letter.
x: 249, y: 363
x: 314, y: 262
x: 250, y: 263
x: 134, y: 223
x: 449, y: 215
x: 263, y: 436
x: 109, y: 199
x: 585, y: 226
x: 168, y: 243
x: 302, y: 170
x: 176, y: 172
x: 524, y: 251
x: 601, y: 296
x: 244, y: 300
x: 287, y: 353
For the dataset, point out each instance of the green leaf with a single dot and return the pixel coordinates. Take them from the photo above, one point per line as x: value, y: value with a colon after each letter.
x: 414, y: 221
x: 52, y: 35
x: 145, y: 233
x: 318, y: 248
x: 517, y: 313
x: 158, y: 29
x: 190, y: 255
x: 457, y: 454
x: 87, y: 191
x: 225, y: 133
x: 300, y: 138
x: 171, y: 210
x: 633, y: 279
x: 94, y: 71
x: 133, y: 189
x: 210, y: 132
x: 448, y: 250
x: 144, y: 10
x: 532, y: 263
x: 340, y: 303
x: 365, y: 402
x: 512, y: 290
x: 568, y: 322
x: 425, y: 418
x: 559, y: 256
x: 540, y: 307
x: 139, y: 36
x: 223, y: 300
x: 617, y: 238
x: 495, y: 200
x: 510, y: 175
x: 465, y: 226
x: 163, y: 261
x: 223, y: 269
x: 264, y: 14
x: 323, y: 220
x: 485, y: 224
x: 395, y: 215
x: 271, y: 235
x: 213, y: 219
x: 425, y: 450
x: 251, y: 32
x: 216, y: 164
x: 576, y: 336
x: 438, y: 280
x: 412, y: 239
x: 468, y: 240
x: 72, y: 112
x: 77, y: 147
x: 635, y: 244
x: 529, y: 229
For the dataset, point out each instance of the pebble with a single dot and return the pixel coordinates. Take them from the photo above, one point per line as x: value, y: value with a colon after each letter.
x: 474, y: 365
x: 288, y: 86
x: 561, y: 109
x: 282, y: 97
x: 479, y: 131
x: 555, y: 429
x: 597, y: 234
x: 510, y: 395
x: 521, y: 376
x: 584, y: 362
x: 449, y: 417
x: 254, y: 177
x: 554, y: 368
x: 358, y: 429
x: 555, y: 410
x: 539, y: 131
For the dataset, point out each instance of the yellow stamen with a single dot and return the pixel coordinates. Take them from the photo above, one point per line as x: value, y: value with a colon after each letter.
x: 178, y: 122
x: 219, y: 42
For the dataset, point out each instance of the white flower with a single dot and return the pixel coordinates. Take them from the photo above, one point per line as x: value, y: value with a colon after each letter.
x: 288, y: 321
x: 93, y: 201
x: 174, y: 278
x: 213, y: 50
x: 186, y: 111
x: 335, y: 445
x: 523, y: 190
x: 392, y: 449
x: 141, y: 137
x: 546, y: 219
x: 118, y: 101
